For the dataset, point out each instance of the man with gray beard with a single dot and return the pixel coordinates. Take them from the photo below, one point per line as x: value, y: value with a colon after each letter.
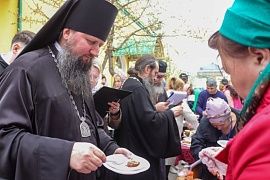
x: 74, y: 72
x: 145, y: 131
x: 159, y: 99
x: 156, y: 91
x: 48, y: 124
x: 160, y: 82
x: 156, y: 88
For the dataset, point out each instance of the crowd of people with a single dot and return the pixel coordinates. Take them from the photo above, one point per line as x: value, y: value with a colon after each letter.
x: 50, y: 129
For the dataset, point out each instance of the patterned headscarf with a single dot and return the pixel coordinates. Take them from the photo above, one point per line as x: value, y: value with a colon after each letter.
x: 217, y: 110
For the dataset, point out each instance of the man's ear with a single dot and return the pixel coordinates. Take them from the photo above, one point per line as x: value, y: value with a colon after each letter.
x: 66, y: 33
x: 16, y: 47
x: 147, y: 70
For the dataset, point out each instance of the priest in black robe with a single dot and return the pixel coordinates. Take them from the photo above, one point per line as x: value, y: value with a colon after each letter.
x: 49, y: 128
x: 150, y: 134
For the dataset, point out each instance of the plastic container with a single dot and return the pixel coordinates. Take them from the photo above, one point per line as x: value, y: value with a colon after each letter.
x: 185, y: 174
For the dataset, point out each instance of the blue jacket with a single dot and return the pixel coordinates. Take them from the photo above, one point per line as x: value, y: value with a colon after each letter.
x: 202, y: 99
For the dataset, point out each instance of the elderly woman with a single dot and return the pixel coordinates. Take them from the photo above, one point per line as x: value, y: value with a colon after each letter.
x: 95, y: 75
x: 113, y: 118
x: 243, y: 43
x: 219, y: 124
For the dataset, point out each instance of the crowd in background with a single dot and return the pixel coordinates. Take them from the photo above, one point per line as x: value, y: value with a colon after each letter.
x: 200, y: 107
x: 194, y: 106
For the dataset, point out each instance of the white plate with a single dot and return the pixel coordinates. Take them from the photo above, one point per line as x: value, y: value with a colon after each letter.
x: 122, y: 168
x: 222, y: 143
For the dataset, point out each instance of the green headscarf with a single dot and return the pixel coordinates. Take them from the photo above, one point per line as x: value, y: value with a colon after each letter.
x: 247, y: 22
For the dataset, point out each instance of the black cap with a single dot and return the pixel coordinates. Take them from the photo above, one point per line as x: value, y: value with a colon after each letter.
x: 162, y: 66
x: 224, y: 81
x: 93, y: 17
x: 183, y: 76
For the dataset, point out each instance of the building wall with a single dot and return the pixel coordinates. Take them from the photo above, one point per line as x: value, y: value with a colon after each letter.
x: 31, y: 20
x: 8, y: 23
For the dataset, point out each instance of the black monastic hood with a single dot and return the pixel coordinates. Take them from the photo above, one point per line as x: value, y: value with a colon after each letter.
x: 93, y: 17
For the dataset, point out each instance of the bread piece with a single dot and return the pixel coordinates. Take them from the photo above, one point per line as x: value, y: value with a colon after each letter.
x: 132, y: 163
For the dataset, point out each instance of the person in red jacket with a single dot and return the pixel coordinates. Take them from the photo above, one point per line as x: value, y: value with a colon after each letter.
x: 243, y: 43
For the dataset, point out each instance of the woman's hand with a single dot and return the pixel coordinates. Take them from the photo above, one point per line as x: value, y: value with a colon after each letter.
x: 177, y: 110
x: 214, y: 166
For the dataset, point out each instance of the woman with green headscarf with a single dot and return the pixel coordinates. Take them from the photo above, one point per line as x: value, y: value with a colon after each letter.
x: 243, y: 43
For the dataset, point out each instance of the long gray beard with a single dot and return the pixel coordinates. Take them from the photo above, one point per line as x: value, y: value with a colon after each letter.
x: 74, y: 72
x: 154, y: 90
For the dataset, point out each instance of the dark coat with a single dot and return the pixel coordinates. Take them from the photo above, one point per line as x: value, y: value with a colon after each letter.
x: 3, y: 65
x: 38, y: 123
x: 146, y: 132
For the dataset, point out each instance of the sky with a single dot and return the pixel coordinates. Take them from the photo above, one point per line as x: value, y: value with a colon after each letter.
x: 186, y: 18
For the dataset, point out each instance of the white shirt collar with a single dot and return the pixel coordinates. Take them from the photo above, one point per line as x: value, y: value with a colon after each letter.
x: 6, y: 57
x: 58, y: 47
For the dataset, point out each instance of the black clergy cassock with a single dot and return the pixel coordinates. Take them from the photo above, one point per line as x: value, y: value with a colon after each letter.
x: 146, y: 132
x: 38, y: 123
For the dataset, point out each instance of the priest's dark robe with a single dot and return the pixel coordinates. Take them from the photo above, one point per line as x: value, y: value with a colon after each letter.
x: 146, y: 132
x: 38, y: 123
